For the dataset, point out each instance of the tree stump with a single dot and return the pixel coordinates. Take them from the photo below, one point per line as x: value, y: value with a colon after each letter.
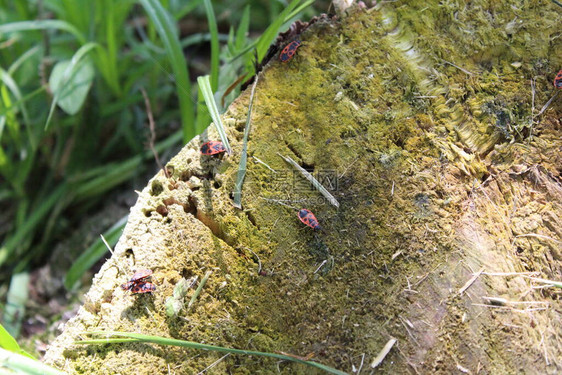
x: 422, y: 119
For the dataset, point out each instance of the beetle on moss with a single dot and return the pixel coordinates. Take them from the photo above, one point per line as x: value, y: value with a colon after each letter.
x: 289, y: 51
x: 308, y: 218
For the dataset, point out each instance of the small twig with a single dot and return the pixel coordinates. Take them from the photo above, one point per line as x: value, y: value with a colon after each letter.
x: 258, y: 258
x: 213, y: 364
x: 471, y: 281
x: 555, y: 283
x: 498, y: 301
x: 458, y: 67
x: 383, y: 353
x: 533, y: 92
x: 264, y: 164
x: 321, y: 264
x: 312, y: 180
x: 152, y: 132
x: 535, y: 235
x: 509, y: 273
x: 361, y: 365
x: 547, y: 104
x: 463, y: 369
x: 199, y: 288
x: 106, y: 244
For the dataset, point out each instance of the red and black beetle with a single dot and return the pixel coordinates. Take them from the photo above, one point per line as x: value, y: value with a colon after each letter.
x: 212, y: 148
x: 139, y: 282
x: 308, y: 218
x: 289, y: 51
x: 144, y: 287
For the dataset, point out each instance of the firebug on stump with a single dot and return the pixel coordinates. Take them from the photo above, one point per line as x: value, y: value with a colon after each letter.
x: 308, y: 218
x: 139, y: 282
x: 212, y: 148
x: 289, y: 51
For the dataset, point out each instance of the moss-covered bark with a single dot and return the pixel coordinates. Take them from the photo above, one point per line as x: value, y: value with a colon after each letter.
x: 421, y: 119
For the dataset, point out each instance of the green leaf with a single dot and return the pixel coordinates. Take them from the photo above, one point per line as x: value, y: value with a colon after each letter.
x: 214, y: 31
x: 244, y: 157
x: 72, y: 92
x: 68, y: 75
x: 205, y: 87
x: 15, y: 304
x: 7, y: 341
x: 11, y: 121
x: 23, y: 365
x: 168, y: 33
x: 42, y: 25
x: 265, y: 40
x: 243, y: 28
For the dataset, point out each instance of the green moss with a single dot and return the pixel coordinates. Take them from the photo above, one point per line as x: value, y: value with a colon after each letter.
x: 373, y: 102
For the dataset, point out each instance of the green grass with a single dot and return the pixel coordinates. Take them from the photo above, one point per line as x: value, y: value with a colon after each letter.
x: 205, y: 87
x: 128, y: 337
x: 237, y: 194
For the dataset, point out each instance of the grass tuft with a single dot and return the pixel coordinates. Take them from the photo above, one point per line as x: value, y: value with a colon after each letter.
x: 167, y: 31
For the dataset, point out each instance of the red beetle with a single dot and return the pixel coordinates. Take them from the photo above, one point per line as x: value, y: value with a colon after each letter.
x: 143, y: 287
x: 558, y: 80
x: 212, y: 148
x: 308, y: 218
x: 289, y: 51
x: 139, y: 279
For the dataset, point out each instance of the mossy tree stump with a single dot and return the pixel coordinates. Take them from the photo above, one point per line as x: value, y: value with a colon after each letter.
x: 422, y: 119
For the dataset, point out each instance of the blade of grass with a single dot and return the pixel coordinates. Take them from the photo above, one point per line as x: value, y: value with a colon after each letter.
x: 265, y: 40
x: 215, y: 52
x: 9, y: 343
x: 312, y: 180
x: 25, y: 365
x: 137, y: 337
x: 167, y: 31
x: 270, y: 33
x: 243, y: 28
x: 7, y: 80
x: 244, y: 157
x: 199, y: 289
x: 15, y: 303
x: 187, y: 8
x: 89, y: 257
x: 205, y: 87
x: 42, y: 25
